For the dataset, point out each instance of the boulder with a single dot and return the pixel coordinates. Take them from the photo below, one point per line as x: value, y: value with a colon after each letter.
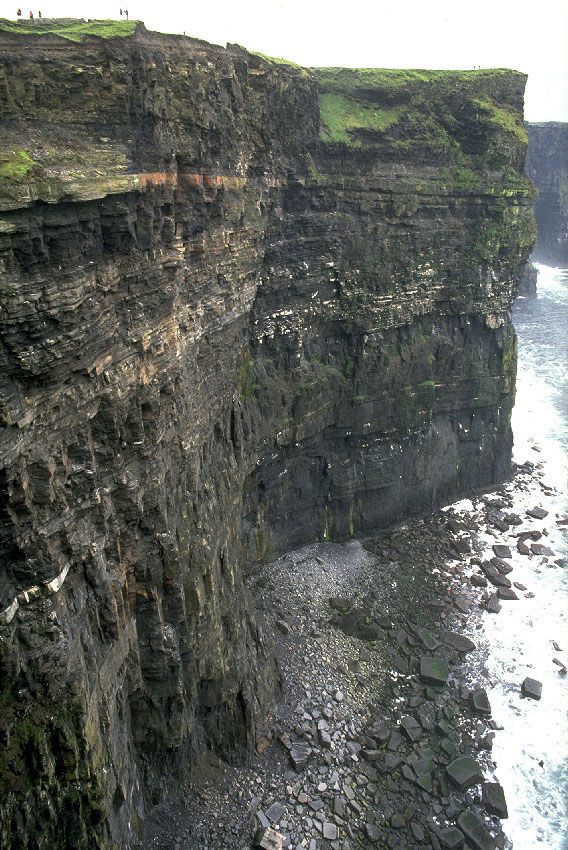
x: 269, y: 839
x: 531, y: 688
x: 475, y: 831
x: 537, y: 513
x: 459, y: 642
x: 494, y: 799
x: 479, y: 701
x: 433, y: 671
x: 506, y: 593
x: 451, y: 838
x: 275, y: 812
x: 493, y: 605
x: 300, y: 754
x: 412, y: 727
x: 502, y: 551
x: 464, y: 772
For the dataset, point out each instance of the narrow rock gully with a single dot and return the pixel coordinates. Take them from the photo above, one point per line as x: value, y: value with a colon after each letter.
x: 382, y: 734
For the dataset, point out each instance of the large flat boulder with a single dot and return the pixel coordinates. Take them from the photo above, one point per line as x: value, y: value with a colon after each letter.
x: 531, y: 688
x: 479, y: 701
x: 459, y: 642
x: 433, y: 671
x: 464, y: 772
x: 494, y: 799
x: 475, y: 831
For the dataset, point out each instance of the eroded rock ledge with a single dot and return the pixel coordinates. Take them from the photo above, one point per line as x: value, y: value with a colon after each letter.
x: 245, y: 306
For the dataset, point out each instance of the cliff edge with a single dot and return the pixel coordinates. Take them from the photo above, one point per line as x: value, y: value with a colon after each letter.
x: 244, y: 305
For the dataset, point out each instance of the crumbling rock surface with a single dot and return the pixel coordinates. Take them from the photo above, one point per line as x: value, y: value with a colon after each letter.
x: 228, y: 328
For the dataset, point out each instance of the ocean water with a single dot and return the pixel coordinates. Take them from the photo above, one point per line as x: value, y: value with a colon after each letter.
x: 531, y: 753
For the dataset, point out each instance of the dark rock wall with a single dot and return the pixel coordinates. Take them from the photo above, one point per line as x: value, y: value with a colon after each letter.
x: 223, y: 335
x: 547, y: 166
x: 528, y: 281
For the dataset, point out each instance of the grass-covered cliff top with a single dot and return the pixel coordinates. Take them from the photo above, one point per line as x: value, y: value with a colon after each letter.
x: 72, y: 28
x: 436, y: 114
x: 466, y: 124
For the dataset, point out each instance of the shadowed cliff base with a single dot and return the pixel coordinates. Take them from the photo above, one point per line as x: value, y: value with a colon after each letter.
x: 237, y: 316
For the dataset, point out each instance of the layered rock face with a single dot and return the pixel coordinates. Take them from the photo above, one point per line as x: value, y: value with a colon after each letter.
x: 547, y: 166
x: 244, y: 306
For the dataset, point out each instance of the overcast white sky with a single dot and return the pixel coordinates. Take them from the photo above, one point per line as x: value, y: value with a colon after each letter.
x: 528, y: 36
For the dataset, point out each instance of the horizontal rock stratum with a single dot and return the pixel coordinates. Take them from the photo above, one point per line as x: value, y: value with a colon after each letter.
x: 244, y: 306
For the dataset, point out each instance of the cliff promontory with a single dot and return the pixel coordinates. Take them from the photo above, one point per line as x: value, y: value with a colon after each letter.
x: 244, y: 305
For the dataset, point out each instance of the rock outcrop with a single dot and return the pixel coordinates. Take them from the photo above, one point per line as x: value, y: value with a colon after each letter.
x: 528, y: 281
x: 245, y: 305
x: 547, y: 167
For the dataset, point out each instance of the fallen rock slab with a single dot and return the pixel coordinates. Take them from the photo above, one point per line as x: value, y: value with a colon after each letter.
x: 433, y: 671
x: 506, y: 593
x: 427, y: 639
x: 299, y: 755
x: 269, y: 839
x: 275, y: 812
x: 459, y: 642
x: 502, y: 551
x: 494, y: 799
x: 479, y: 701
x: 531, y: 688
x: 475, y: 831
x: 503, y: 566
x: 464, y: 772
x: 495, y: 577
x: 412, y: 727
x: 451, y: 838
x: 478, y: 580
x: 539, y: 549
x: 493, y: 606
x: 537, y: 512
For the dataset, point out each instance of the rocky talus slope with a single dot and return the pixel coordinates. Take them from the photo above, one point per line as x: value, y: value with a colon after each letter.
x: 244, y: 306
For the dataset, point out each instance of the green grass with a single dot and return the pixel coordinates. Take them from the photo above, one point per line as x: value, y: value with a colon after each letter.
x: 343, y: 117
x: 277, y: 61
x: 503, y: 119
x: 73, y: 29
x: 425, y: 116
x: 354, y: 81
x: 14, y: 165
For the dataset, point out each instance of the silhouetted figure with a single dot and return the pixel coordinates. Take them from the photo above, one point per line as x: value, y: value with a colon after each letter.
x: 19, y: 13
x: 39, y: 14
x: 121, y: 13
x: 31, y: 16
x: 126, y: 13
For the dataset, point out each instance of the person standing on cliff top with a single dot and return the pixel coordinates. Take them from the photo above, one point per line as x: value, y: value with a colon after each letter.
x: 31, y: 16
x: 19, y: 13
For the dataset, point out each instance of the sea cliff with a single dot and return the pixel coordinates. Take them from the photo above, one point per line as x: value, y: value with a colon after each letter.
x: 244, y: 306
x: 547, y: 167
